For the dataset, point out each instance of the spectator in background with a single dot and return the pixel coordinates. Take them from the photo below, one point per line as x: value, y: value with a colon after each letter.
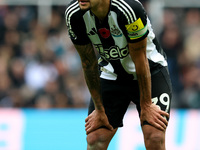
x: 171, y: 41
x: 34, y: 64
x: 16, y: 72
x: 44, y: 102
x: 5, y: 88
x: 190, y: 60
x: 191, y: 20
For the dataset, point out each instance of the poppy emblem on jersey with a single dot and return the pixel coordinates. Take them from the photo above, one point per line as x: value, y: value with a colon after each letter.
x: 105, y: 33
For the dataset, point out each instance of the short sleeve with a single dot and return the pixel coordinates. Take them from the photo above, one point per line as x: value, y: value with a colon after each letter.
x: 75, y: 25
x: 136, y: 27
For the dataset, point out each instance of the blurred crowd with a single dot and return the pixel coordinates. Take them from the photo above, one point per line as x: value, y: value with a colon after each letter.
x: 180, y: 38
x: 40, y: 68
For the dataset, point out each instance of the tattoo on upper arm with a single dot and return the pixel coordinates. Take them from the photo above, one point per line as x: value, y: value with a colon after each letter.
x: 139, y: 47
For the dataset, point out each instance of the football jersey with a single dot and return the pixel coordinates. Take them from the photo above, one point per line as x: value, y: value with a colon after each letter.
x: 126, y: 22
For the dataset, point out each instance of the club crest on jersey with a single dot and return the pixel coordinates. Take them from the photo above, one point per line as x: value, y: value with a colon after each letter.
x: 115, y: 31
x: 105, y: 33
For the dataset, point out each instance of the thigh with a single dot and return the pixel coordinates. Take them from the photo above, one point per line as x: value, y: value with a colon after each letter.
x: 115, y: 100
x: 161, y: 90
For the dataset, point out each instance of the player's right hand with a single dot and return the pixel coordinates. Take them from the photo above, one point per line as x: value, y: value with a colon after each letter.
x: 96, y: 120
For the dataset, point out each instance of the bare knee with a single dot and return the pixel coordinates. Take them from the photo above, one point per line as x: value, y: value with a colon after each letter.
x: 154, y: 140
x: 99, y: 139
x: 93, y: 138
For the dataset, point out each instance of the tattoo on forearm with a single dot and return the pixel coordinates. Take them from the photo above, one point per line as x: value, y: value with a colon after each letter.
x: 145, y: 87
x: 90, y: 68
x: 138, y: 55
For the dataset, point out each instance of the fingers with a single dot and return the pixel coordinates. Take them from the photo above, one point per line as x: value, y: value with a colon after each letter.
x: 163, y: 116
x: 161, y: 122
x: 86, y: 119
x: 109, y: 127
x: 92, y: 125
x: 158, y: 120
x: 163, y: 113
x: 164, y: 120
x: 162, y: 125
x: 158, y: 124
x: 88, y: 129
x: 86, y: 124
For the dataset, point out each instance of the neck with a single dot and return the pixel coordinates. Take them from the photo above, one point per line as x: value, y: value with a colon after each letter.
x: 102, y: 9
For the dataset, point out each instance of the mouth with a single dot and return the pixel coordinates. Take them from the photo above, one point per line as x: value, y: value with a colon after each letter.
x: 83, y: 2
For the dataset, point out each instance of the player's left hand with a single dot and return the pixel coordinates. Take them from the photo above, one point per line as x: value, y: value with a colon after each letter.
x: 96, y: 120
x: 154, y: 116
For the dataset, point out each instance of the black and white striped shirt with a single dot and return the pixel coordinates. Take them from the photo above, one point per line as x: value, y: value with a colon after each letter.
x: 126, y: 22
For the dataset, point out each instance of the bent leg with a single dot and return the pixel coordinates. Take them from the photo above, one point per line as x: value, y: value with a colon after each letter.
x: 100, y: 139
x: 161, y: 96
x: 154, y: 138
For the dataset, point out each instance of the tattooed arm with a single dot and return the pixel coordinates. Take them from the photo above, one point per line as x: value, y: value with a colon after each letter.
x: 90, y: 68
x: 98, y: 117
x: 149, y: 111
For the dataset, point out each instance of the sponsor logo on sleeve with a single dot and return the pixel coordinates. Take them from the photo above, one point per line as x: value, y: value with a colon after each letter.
x: 71, y: 32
